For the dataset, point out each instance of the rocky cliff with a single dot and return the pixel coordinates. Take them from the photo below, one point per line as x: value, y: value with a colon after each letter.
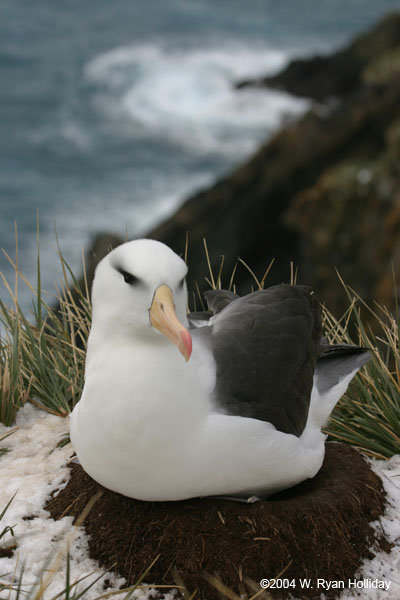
x: 324, y: 192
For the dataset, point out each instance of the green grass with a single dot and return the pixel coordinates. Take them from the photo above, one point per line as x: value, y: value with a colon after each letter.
x: 42, y: 355
x: 13, y: 392
x: 368, y: 415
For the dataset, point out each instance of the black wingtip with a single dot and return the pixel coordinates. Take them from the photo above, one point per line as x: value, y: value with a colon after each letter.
x: 337, y: 362
x: 329, y: 351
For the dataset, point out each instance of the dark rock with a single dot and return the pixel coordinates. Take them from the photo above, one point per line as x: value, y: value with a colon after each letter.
x: 318, y: 77
x: 321, y: 77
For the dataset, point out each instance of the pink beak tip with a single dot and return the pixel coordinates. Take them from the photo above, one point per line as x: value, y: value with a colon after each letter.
x: 186, y: 343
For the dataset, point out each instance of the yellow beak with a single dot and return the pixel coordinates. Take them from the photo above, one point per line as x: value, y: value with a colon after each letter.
x: 163, y: 317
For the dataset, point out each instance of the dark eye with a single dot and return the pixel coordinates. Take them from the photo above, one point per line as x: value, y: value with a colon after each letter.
x: 180, y: 284
x: 129, y: 278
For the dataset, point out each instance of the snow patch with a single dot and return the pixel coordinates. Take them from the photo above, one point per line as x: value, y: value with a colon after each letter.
x: 384, y: 567
x: 32, y: 469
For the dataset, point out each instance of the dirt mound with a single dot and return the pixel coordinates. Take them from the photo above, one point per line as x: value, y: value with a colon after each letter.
x: 319, y: 529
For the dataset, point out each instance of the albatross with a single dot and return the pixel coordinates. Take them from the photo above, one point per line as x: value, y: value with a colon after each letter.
x: 229, y: 402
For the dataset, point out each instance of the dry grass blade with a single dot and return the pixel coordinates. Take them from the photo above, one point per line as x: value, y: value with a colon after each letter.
x: 263, y: 594
x: 260, y: 283
x: 227, y: 592
x: 259, y: 286
x: 212, y: 282
x: 293, y: 274
x: 267, y: 270
x: 8, y: 433
x: 139, y: 581
x: 231, y: 286
x: 260, y: 592
x: 186, y: 251
x: 223, y: 589
x: 182, y: 587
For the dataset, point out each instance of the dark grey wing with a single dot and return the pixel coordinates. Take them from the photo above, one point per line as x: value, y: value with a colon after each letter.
x: 335, y: 362
x: 265, y: 346
x: 217, y: 300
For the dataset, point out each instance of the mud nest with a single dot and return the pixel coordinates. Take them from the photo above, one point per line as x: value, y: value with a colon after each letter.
x: 318, y: 529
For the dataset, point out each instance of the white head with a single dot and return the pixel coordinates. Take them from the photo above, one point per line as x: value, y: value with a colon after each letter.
x: 139, y: 292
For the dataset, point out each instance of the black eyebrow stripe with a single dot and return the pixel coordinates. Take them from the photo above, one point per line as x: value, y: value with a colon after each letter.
x: 126, y: 274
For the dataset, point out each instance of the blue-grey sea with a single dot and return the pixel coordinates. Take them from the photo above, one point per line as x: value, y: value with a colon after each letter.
x: 113, y: 112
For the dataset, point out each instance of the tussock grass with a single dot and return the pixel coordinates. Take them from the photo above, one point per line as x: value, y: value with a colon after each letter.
x: 42, y: 355
x: 13, y: 392
x: 368, y: 415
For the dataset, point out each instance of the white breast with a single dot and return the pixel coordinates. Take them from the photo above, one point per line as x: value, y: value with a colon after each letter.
x: 145, y: 427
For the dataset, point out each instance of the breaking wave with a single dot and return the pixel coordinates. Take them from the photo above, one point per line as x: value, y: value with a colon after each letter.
x: 187, y: 96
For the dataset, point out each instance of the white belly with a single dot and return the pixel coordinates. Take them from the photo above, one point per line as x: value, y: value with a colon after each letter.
x: 166, y: 443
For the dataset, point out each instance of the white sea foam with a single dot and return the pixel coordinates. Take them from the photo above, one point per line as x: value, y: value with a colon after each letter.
x: 157, y: 97
x: 188, y: 96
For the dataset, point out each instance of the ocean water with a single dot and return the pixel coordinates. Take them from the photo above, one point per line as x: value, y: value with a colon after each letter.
x: 112, y: 113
